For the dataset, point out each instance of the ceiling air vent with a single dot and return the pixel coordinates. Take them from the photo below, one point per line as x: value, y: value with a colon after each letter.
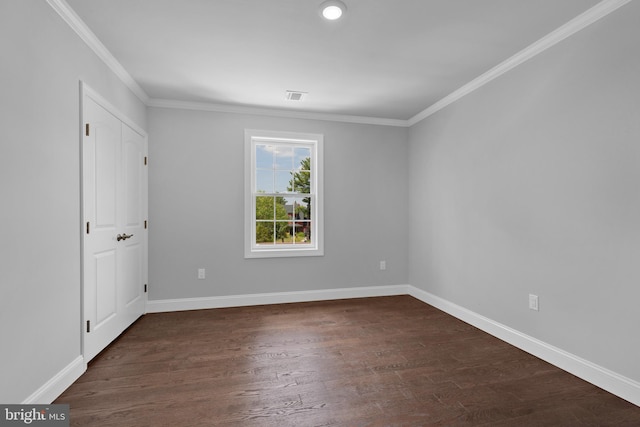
x: 293, y: 95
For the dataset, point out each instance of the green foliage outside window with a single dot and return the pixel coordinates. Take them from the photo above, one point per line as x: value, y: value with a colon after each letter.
x: 273, y: 222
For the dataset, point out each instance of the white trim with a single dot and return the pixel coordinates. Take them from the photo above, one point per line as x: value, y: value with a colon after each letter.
x: 77, y: 24
x: 86, y: 90
x: 274, y: 112
x: 613, y: 382
x: 58, y: 384
x: 169, y: 305
x: 610, y: 381
x: 583, y: 20
x: 315, y: 142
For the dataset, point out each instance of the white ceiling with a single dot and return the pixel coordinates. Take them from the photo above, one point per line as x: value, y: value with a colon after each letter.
x: 388, y: 59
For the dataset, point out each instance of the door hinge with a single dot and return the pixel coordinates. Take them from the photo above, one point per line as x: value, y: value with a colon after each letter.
x: 87, y: 227
x: 86, y: 129
x: 145, y: 224
x: 88, y: 325
x: 145, y: 287
x: 145, y: 160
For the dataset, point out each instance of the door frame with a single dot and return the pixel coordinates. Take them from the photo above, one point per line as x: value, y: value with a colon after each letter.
x: 86, y: 90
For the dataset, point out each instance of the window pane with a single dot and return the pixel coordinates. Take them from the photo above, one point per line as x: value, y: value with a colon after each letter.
x: 301, y: 158
x: 283, y: 232
x: 302, y: 232
x: 265, y: 207
x: 302, y: 182
x: 284, y: 158
x: 283, y: 182
x: 289, y: 208
x: 281, y: 208
x: 264, y: 233
x: 264, y: 156
x: 301, y: 208
x: 264, y: 181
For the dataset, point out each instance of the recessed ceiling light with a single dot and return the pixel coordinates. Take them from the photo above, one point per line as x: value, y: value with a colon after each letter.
x: 333, y: 9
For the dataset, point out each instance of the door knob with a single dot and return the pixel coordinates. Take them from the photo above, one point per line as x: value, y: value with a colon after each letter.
x: 124, y: 236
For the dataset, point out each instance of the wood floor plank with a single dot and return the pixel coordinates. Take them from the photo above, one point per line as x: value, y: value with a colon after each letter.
x: 388, y: 361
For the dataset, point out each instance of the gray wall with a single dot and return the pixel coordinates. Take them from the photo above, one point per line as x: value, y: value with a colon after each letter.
x: 196, y: 207
x: 528, y: 185
x: 41, y: 64
x: 531, y: 185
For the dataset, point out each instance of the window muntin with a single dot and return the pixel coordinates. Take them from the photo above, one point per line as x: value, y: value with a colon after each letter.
x: 284, y: 200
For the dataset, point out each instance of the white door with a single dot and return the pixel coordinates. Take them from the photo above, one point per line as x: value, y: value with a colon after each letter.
x: 114, y: 209
x: 132, y: 250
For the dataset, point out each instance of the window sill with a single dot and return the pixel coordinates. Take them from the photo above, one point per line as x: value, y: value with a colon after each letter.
x: 283, y: 253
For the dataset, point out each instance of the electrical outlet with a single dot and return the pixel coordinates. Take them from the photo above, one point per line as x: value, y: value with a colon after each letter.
x: 201, y: 273
x: 533, y: 302
x: 383, y: 265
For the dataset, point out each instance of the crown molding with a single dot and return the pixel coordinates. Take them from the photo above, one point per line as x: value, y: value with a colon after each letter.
x: 274, y: 112
x: 73, y: 20
x: 580, y: 22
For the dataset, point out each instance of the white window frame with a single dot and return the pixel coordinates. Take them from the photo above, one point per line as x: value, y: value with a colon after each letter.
x: 254, y: 137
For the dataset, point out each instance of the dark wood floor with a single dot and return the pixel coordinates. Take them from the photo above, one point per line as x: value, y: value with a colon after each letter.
x: 391, y: 361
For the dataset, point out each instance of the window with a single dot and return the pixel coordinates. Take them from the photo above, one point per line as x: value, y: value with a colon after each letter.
x: 283, y: 194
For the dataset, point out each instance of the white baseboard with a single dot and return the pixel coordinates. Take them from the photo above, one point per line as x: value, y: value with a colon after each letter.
x: 614, y: 383
x: 610, y: 381
x: 58, y: 384
x: 159, y: 306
